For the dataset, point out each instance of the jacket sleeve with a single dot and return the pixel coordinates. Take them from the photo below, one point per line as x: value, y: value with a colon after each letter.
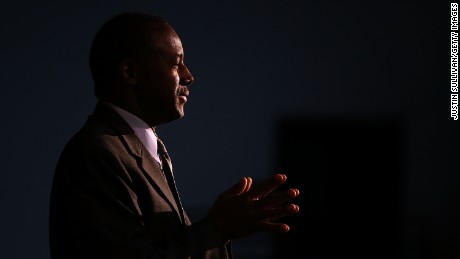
x: 95, y: 213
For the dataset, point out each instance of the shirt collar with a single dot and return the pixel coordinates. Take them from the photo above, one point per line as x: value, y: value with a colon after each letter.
x: 142, y: 130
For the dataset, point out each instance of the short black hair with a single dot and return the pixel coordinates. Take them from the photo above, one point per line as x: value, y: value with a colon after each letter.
x: 123, y: 36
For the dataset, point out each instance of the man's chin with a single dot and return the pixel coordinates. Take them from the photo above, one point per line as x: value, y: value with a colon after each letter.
x: 177, y: 114
x: 180, y: 111
x: 180, y: 114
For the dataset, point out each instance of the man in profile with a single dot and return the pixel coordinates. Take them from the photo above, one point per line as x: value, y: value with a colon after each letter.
x: 113, y: 193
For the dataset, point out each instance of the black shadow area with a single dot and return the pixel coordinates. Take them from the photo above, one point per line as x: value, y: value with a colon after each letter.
x: 348, y: 171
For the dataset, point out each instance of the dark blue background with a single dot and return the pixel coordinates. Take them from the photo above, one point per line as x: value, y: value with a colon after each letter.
x: 254, y: 62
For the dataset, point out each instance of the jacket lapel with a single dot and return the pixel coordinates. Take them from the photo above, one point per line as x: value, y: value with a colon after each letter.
x: 148, y: 165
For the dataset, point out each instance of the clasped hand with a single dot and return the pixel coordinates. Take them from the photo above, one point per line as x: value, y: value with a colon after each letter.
x: 243, y: 210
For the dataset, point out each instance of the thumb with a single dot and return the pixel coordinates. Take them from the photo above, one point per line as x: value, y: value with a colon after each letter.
x: 238, y: 188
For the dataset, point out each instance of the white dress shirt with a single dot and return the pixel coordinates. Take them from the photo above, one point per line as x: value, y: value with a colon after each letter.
x: 142, y: 130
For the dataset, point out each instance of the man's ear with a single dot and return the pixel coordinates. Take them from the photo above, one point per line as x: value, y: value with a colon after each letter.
x: 129, y: 71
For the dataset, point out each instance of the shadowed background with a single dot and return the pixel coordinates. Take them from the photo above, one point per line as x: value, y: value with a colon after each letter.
x: 351, y: 101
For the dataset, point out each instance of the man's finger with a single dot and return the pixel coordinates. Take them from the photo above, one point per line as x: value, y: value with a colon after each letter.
x: 274, y: 227
x: 276, y: 199
x: 238, y: 188
x: 279, y: 212
x: 248, y: 184
x: 264, y: 188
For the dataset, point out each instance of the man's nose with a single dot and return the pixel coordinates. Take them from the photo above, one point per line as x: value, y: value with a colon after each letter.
x: 186, y: 77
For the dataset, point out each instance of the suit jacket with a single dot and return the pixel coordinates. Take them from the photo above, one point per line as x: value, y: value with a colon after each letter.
x: 109, y: 199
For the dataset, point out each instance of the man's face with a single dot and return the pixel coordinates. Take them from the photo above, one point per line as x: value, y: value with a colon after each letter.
x: 162, y: 88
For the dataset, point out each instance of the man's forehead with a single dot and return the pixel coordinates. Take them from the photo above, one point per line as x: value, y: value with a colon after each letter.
x: 166, y: 39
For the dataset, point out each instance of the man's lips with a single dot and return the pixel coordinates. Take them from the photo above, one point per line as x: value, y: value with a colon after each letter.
x: 183, y: 93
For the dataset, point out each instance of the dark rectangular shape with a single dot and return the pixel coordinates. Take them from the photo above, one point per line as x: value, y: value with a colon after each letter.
x: 349, y: 173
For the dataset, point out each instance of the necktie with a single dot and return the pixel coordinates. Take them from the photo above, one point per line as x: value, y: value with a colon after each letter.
x: 167, y: 170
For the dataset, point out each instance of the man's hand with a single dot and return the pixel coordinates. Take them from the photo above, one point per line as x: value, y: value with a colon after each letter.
x: 243, y: 210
